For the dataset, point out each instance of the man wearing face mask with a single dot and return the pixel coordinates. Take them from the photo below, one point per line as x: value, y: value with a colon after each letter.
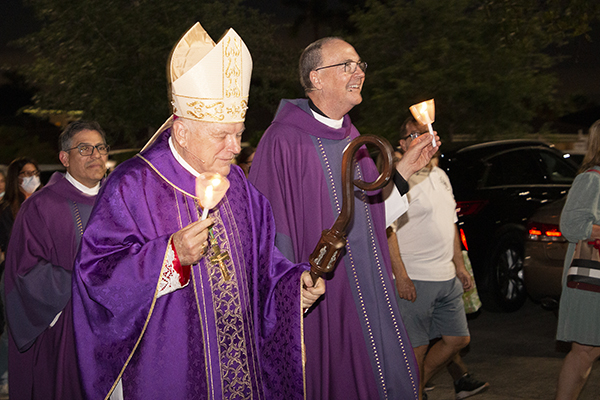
x: 39, y: 262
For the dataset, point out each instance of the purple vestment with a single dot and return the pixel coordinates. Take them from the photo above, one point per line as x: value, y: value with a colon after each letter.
x: 356, y: 344
x: 42, y: 249
x: 212, y: 339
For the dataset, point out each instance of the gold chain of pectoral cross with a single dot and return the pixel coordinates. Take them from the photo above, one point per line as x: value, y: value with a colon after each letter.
x: 218, y: 256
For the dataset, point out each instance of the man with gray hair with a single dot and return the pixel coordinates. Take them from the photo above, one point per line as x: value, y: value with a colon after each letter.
x: 356, y: 344
x: 178, y: 296
x: 39, y: 263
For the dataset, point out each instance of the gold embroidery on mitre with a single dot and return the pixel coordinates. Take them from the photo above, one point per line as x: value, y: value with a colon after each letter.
x: 202, y: 111
x: 232, y: 53
x: 238, y: 110
x: 210, y: 82
x: 217, y: 111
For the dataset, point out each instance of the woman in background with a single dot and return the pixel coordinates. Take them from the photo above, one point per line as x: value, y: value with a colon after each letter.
x: 22, y: 179
x: 579, y: 312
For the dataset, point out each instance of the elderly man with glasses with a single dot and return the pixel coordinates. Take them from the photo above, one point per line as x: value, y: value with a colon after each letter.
x: 177, y: 297
x: 356, y: 344
x: 39, y: 263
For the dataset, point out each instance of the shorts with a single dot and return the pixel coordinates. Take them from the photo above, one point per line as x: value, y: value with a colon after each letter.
x: 437, y: 311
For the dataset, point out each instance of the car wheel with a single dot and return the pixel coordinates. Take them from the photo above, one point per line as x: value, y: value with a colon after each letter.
x: 505, y: 289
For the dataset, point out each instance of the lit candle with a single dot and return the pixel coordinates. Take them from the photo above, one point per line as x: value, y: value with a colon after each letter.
x: 424, y: 113
x: 208, y: 194
x: 210, y: 189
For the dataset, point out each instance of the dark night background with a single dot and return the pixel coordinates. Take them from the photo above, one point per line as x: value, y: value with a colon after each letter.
x: 578, y: 72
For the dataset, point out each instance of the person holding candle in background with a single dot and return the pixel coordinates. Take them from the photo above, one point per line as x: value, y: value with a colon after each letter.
x: 431, y: 278
x: 168, y: 304
x: 357, y: 347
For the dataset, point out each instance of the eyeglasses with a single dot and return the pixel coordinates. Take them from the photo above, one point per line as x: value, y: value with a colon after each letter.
x: 88, y: 149
x: 413, y: 135
x: 349, y: 66
x: 29, y: 174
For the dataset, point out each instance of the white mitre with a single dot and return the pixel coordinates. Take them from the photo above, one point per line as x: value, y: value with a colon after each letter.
x: 210, y: 82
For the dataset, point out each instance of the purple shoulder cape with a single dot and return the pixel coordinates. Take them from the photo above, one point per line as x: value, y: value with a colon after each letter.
x: 211, y: 339
x: 41, y: 252
x: 356, y: 343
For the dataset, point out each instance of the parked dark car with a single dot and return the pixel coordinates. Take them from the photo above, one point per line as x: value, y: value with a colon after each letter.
x: 545, y: 250
x: 498, y: 186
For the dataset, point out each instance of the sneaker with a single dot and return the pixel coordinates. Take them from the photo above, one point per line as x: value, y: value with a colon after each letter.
x: 467, y: 386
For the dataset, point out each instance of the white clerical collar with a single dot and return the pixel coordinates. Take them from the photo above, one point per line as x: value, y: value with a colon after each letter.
x: 93, y: 191
x: 180, y: 159
x: 332, y: 123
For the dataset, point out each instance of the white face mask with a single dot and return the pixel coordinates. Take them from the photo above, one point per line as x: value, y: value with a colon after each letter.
x: 30, y: 183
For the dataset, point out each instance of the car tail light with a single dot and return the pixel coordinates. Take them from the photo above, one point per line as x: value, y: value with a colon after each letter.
x: 463, y: 239
x: 544, y: 232
x: 470, y: 207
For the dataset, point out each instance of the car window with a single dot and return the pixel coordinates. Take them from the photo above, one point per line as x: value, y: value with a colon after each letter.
x: 465, y: 174
x: 556, y: 168
x: 517, y: 167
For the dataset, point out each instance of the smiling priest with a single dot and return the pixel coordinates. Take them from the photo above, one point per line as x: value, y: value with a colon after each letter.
x: 167, y: 305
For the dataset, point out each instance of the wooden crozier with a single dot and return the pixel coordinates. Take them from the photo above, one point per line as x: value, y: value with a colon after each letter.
x: 325, y: 255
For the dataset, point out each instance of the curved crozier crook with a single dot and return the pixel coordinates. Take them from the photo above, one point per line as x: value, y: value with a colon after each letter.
x: 348, y: 172
x: 325, y: 255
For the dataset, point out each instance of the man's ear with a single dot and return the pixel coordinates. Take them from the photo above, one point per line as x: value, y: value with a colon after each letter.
x: 180, y: 133
x: 63, y: 156
x: 315, y: 80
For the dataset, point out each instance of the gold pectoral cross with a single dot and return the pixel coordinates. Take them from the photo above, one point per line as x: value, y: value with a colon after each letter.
x: 220, y: 258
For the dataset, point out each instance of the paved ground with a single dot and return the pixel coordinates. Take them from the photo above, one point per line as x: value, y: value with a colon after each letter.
x: 517, y: 354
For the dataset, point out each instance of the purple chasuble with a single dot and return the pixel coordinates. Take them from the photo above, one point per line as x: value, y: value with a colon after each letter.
x: 212, y: 339
x: 42, y: 361
x: 356, y: 344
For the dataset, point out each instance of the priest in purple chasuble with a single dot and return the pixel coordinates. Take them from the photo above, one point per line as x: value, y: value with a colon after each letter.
x: 356, y: 344
x: 41, y: 252
x: 168, y: 305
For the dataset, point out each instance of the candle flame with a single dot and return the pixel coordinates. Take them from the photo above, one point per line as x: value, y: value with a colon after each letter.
x: 424, y: 112
x: 209, y: 192
x: 210, y: 189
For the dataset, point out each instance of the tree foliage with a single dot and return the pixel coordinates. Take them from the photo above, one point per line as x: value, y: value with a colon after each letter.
x: 17, y: 141
x: 108, y: 58
x: 483, y: 61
